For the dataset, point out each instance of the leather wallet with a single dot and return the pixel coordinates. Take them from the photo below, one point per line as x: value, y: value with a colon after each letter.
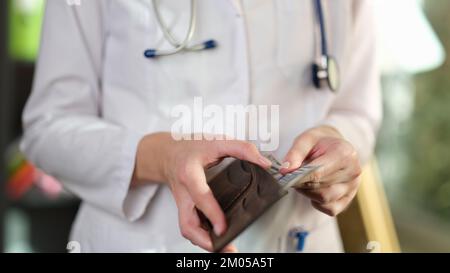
x: 244, y: 192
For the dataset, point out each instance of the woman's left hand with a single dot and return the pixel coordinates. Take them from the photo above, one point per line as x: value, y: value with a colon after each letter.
x: 334, y: 185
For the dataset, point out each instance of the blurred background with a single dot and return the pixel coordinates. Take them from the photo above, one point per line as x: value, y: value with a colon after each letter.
x: 413, y: 149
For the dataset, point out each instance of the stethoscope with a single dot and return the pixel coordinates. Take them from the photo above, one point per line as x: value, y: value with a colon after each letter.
x: 325, y: 70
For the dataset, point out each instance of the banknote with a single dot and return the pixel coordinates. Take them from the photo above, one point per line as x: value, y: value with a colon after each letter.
x: 296, y: 179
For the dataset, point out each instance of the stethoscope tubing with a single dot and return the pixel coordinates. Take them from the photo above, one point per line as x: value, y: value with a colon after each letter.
x: 322, y: 27
x: 325, y: 68
x: 184, y: 45
x: 178, y: 47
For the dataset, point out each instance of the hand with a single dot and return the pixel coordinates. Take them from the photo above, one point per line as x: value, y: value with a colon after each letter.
x: 336, y: 182
x: 181, y: 164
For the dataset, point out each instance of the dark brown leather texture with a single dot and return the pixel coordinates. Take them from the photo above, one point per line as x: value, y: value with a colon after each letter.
x: 244, y: 191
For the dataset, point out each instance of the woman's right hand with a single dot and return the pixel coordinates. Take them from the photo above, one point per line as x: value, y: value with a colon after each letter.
x: 181, y: 164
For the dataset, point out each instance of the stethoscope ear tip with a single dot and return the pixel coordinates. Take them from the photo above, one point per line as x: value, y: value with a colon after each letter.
x: 150, y: 53
x: 210, y: 44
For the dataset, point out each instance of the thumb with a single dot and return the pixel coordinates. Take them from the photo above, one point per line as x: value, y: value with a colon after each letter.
x: 242, y: 150
x: 297, y: 154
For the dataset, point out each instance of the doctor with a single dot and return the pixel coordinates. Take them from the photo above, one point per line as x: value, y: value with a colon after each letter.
x: 99, y: 114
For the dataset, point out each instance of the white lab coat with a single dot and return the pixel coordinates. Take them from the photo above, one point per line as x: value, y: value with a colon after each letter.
x: 95, y: 96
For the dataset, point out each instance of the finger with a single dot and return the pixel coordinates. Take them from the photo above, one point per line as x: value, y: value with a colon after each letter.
x: 198, y: 237
x: 333, y: 209
x: 329, y: 164
x: 229, y: 249
x: 339, y: 177
x: 193, y: 178
x: 298, y: 152
x: 327, y: 194
x: 351, y: 171
x: 190, y: 223
x: 242, y: 150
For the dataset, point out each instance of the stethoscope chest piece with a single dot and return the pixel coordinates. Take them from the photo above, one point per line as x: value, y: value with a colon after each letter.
x: 326, y: 74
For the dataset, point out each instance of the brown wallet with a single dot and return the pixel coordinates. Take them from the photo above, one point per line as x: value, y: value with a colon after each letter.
x: 244, y: 191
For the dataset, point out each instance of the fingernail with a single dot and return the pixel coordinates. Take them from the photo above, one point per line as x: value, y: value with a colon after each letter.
x: 231, y: 250
x: 217, y: 230
x: 264, y: 160
x: 209, y: 245
x: 285, y: 165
